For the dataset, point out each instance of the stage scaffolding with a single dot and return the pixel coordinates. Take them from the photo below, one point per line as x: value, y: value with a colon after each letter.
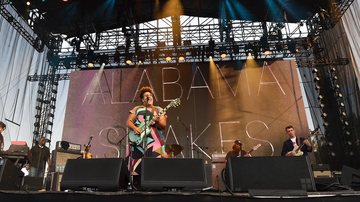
x: 163, y: 41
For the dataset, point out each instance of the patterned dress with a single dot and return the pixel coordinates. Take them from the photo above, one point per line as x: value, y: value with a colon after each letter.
x: 153, y: 142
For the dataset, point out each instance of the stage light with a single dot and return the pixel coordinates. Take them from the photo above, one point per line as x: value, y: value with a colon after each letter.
x: 320, y: 97
x: 317, y: 87
x: 90, y: 65
x: 267, y: 52
x: 314, y: 70
x: 324, y: 115
x: 28, y: 3
x: 168, y: 59
x: 181, y: 58
x: 317, y: 79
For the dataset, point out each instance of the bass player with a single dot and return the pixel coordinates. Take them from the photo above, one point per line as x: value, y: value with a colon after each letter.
x: 295, y: 146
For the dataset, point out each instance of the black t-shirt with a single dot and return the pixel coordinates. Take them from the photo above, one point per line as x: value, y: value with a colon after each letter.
x: 39, y: 156
x: 233, y: 153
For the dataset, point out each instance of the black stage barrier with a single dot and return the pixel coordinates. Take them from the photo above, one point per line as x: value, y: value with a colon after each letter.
x: 271, y: 174
x: 10, y: 175
x: 103, y: 174
x: 162, y: 173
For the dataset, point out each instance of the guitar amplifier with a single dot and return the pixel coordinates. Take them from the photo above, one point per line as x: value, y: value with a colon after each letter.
x: 66, y: 146
x: 59, y: 159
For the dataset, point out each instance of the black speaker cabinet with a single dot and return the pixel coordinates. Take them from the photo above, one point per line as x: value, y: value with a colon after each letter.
x: 103, y: 174
x: 33, y: 183
x: 166, y: 173
x: 10, y: 175
x: 269, y: 173
x: 350, y: 177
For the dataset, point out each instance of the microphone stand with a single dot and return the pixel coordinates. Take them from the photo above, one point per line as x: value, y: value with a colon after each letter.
x: 187, y: 136
x: 145, y: 132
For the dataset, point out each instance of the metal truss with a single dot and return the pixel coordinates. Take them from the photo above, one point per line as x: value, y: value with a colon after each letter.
x: 153, y: 42
x: 8, y: 11
x: 45, y: 103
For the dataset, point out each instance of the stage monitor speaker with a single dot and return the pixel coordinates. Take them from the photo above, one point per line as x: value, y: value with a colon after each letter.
x: 350, y: 177
x: 162, y: 173
x: 269, y: 173
x: 10, y: 175
x: 103, y: 174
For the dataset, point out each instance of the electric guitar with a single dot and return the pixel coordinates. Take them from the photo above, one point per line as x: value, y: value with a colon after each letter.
x: 145, y: 129
x: 297, y: 149
x: 86, y: 153
x: 253, y: 149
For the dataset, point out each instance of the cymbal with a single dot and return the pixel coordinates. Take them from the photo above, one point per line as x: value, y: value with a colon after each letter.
x: 173, y: 149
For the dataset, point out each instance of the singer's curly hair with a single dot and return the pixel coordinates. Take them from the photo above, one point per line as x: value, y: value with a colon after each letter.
x: 144, y: 90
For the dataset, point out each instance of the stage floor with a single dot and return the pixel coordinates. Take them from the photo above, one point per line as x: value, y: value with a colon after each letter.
x: 208, y: 196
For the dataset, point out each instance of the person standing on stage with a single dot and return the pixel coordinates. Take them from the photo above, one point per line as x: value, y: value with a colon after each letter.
x: 2, y: 128
x: 152, y: 142
x: 39, y: 155
x: 237, y: 151
x: 295, y: 146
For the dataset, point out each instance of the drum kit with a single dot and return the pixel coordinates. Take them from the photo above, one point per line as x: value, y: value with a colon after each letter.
x: 173, y: 149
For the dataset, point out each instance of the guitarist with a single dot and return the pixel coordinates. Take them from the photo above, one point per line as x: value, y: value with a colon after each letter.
x: 295, y: 146
x: 237, y: 151
x: 153, y: 141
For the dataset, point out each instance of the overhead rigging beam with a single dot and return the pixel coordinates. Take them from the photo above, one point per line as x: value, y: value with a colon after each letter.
x: 7, y: 10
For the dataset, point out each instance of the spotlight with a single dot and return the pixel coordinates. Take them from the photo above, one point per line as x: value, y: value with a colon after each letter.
x: 320, y: 97
x: 28, y: 3
x: 314, y: 70
x: 128, y: 59
x: 181, y: 58
x: 317, y: 78
x: 324, y: 115
x: 317, y: 87
x: 168, y: 58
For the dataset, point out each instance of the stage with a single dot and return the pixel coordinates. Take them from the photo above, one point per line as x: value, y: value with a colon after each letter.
x: 208, y: 196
